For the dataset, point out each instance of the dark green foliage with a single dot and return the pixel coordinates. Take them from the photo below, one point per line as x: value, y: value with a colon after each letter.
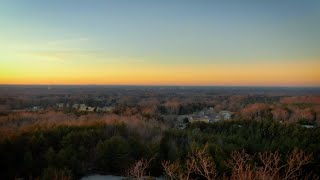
x: 52, y: 173
x: 306, y: 122
x: 81, y: 150
x: 111, y: 149
x: 256, y: 136
x: 113, y: 155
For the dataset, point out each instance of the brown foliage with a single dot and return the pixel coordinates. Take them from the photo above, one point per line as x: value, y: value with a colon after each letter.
x: 172, y: 105
x: 301, y: 99
x: 299, y: 114
x: 280, y: 114
x: 255, y: 111
x: 17, y: 123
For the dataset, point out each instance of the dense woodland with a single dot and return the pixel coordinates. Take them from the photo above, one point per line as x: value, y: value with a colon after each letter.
x: 65, y: 143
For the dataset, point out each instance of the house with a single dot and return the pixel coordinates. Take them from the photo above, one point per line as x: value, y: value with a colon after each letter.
x: 76, y: 106
x: 60, y: 105
x: 37, y: 108
x: 90, y: 109
x: 82, y: 107
x: 217, y: 118
x: 226, y: 115
x: 182, y: 118
x: 105, y: 109
x: 199, y: 118
x: 181, y: 126
x: 308, y: 126
x: 209, y: 116
x: 210, y: 110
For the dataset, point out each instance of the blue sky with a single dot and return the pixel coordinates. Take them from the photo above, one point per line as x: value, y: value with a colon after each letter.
x: 161, y: 32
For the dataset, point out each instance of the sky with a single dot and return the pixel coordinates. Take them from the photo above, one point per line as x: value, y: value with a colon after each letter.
x: 160, y: 42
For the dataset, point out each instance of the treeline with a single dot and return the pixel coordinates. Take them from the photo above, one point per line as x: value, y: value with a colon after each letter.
x: 114, y: 148
x: 154, y: 103
x: 77, y: 151
x: 252, y: 136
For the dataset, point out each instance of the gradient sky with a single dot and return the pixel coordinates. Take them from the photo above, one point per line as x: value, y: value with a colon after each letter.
x: 160, y: 42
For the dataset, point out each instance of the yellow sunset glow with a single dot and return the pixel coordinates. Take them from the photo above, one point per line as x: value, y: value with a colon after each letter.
x: 282, y: 74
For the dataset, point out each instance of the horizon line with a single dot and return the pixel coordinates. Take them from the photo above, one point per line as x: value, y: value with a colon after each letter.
x: 168, y: 85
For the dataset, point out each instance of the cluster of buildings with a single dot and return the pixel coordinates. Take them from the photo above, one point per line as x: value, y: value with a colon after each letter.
x: 85, y: 108
x: 207, y: 115
x: 37, y: 108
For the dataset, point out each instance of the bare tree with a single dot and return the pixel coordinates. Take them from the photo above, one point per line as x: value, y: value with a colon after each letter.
x: 244, y: 169
x: 198, y: 162
x: 296, y: 160
x: 242, y: 165
x: 241, y: 168
x: 138, y: 170
x: 172, y: 170
x: 204, y: 163
x: 270, y: 165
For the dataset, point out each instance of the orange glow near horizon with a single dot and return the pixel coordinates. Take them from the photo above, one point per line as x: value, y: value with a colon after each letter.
x: 284, y: 74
